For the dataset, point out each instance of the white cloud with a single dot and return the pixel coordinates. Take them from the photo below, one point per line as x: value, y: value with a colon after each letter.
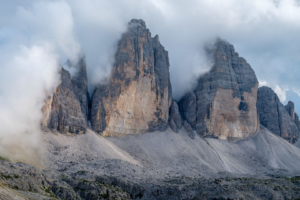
x: 50, y: 21
x: 262, y: 83
x: 36, y: 38
x: 281, y: 92
x: 23, y: 81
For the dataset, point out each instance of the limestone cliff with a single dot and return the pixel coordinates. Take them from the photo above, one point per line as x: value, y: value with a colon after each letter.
x: 67, y: 109
x: 138, y: 94
x: 175, y: 121
x: 224, y: 102
x: 290, y: 107
x: 274, y: 116
x: 80, y: 85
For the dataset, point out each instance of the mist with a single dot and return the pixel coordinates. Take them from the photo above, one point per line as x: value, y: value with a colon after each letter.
x: 38, y: 36
x: 34, y: 43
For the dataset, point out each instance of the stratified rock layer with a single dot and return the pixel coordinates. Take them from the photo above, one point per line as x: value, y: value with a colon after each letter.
x: 67, y: 109
x: 138, y: 95
x: 274, y: 116
x: 224, y: 101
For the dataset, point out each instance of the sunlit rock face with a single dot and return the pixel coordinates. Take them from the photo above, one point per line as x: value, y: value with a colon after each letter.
x: 223, y: 105
x: 274, y: 116
x: 138, y: 94
x: 67, y: 109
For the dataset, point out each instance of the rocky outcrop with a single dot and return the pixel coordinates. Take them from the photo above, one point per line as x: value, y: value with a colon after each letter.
x: 138, y: 94
x: 80, y: 85
x: 67, y: 109
x: 175, y: 121
x: 274, y: 116
x: 224, y: 101
x: 290, y: 107
x: 297, y: 121
x: 189, y: 130
x: 188, y: 108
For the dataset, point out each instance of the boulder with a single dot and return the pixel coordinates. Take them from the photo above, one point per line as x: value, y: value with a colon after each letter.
x: 224, y: 101
x: 138, y: 94
x: 274, y: 116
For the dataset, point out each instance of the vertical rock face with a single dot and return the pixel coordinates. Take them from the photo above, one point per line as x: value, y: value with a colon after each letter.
x: 188, y: 108
x: 175, y: 121
x: 297, y: 121
x: 224, y: 101
x: 290, y: 107
x: 138, y: 94
x: 67, y: 109
x: 80, y: 85
x: 274, y: 116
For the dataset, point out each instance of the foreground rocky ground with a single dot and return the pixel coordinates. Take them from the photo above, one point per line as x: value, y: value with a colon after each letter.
x: 21, y: 181
x: 157, y: 166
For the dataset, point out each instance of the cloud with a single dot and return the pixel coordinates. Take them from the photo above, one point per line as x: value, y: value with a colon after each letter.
x: 23, y: 82
x: 264, y: 32
x: 281, y: 93
x: 262, y: 83
x: 33, y: 43
x: 49, y: 21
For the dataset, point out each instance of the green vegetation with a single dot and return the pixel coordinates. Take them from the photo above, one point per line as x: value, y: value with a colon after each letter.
x: 6, y: 176
x: 295, y: 179
x: 64, y: 177
x: 3, y: 159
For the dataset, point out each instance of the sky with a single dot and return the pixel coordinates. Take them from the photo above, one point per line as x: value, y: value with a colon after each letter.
x: 38, y: 36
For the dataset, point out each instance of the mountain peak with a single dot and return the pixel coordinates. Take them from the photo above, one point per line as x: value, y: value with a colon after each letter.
x: 137, y: 22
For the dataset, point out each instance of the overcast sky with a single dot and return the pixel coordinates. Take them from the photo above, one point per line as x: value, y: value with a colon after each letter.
x: 37, y: 36
x: 264, y: 32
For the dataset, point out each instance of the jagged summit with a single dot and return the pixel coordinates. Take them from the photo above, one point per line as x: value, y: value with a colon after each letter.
x: 224, y: 101
x: 66, y: 110
x: 187, y: 164
x: 274, y: 116
x: 137, y: 98
x: 138, y: 95
x: 136, y: 22
x: 243, y: 79
x: 290, y: 107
